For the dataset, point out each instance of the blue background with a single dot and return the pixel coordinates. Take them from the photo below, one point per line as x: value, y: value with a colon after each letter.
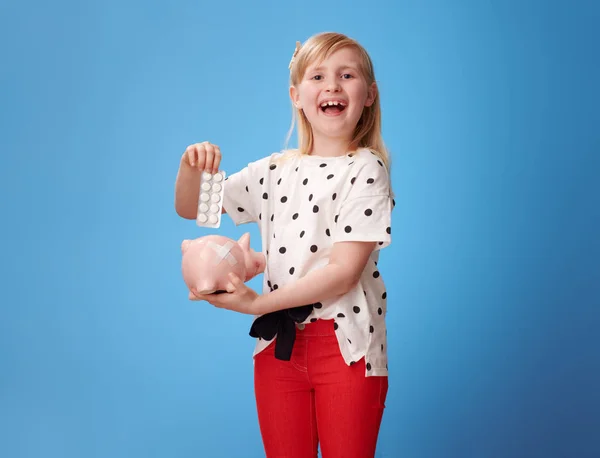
x: 491, y: 113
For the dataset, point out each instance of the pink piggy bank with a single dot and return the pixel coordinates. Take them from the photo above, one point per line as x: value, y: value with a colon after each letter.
x: 207, y: 261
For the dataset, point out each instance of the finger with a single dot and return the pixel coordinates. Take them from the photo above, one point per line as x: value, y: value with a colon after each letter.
x: 193, y: 297
x: 230, y: 288
x: 216, y: 160
x: 200, y: 153
x: 188, y: 155
x: 235, y: 280
x: 210, y: 155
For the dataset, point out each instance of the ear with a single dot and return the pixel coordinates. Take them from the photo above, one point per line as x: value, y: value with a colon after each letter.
x: 295, y: 97
x: 371, y: 95
x: 185, y: 245
x: 244, y: 241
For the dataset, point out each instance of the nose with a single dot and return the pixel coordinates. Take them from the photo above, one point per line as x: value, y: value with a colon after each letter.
x: 333, y: 85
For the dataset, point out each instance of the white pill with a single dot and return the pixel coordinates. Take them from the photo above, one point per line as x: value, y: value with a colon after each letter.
x: 205, y: 186
x: 213, y: 218
x: 214, y: 208
x: 202, y: 218
x: 203, y: 207
x: 216, y: 187
x: 218, y: 177
x: 206, y: 176
x: 204, y: 197
x: 215, y: 198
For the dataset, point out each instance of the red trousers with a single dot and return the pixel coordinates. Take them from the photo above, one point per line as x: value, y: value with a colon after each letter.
x: 315, y: 398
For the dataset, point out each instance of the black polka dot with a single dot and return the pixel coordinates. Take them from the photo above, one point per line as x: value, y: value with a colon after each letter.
x: 327, y: 232
x: 349, y: 341
x: 352, y: 363
x: 282, y: 250
x: 310, y: 197
x: 368, y: 212
x: 368, y: 366
x: 260, y: 216
x: 341, y: 315
x: 393, y: 202
x: 313, y: 320
x: 247, y: 189
x: 272, y: 217
x: 305, y: 181
x: 269, y: 283
x: 335, y: 326
x: 381, y: 347
x: 352, y: 180
x: 301, y: 234
x: 292, y: 270
x: 351, y: 162
x: 381, y: 243
x: 265, y: 196
x: 313, y: 248
x: 317, y: 305
x: 376, y: 274
x: 371, y: 329
x: 348, y: 229
x: 356, y: 309
x: 279, y: 181
x: 379, y: 311
x: 315, y: 209
x: 273, y: 234
x: 351, y: 155
x: 370, y: 181
x: 384, y: 295
x: 296, y: 169
x: 240, y: 209
x: 273, y: 167
x: 323, y: 165
x: 284, y: 199
x: 295, y: 216
x: 334, y: 196
x: 379, y: 162
x: 275, y: 286
x: 336, y: 218
x: 330, y: 176
x: 262, y: 180
x: 388, y: 230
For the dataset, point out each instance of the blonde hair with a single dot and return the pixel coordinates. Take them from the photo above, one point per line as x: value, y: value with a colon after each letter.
x: 368, y: 130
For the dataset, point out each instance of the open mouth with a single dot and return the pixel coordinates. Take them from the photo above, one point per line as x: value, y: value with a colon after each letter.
x: 333, y: 107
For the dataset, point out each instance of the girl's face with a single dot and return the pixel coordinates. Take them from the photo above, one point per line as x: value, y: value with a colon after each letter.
x: 333, y: 93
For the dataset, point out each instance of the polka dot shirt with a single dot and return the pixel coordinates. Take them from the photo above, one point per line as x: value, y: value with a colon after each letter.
x: 303, y: 205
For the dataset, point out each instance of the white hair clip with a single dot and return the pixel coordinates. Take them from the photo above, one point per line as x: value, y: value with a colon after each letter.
x: 298, y: 46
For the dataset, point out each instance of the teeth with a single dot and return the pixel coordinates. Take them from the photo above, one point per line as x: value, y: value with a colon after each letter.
x: 332, y: 103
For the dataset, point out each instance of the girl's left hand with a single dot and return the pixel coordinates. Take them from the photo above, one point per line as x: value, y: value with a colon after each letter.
x: 239, y: 298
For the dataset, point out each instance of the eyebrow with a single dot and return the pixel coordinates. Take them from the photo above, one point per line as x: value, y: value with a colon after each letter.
x: 343, y: 67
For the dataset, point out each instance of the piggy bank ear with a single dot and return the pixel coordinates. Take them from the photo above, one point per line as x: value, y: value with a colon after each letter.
x: 185, y: 245
x: 244, y: 241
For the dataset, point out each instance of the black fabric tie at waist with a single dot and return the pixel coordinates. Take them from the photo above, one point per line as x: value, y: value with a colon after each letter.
x: 283, y: 325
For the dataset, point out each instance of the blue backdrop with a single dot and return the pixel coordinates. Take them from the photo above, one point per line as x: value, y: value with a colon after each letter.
x: 491, y: 113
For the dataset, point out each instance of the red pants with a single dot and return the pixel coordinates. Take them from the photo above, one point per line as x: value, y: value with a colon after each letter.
x: 316, y: 398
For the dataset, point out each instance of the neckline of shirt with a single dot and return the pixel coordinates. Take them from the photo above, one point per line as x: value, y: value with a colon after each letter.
x: 313, y: 159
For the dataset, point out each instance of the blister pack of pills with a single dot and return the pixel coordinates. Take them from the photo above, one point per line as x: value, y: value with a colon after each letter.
x: 210, y: 202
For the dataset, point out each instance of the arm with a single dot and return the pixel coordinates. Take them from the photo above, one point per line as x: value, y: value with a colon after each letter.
x: 187, y: 190
x: 340, y: 275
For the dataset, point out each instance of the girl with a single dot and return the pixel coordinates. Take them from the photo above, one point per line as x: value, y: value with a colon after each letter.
x: 324, y: 212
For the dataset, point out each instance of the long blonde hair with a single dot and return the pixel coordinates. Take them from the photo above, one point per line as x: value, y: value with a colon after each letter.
x: 368, y: 130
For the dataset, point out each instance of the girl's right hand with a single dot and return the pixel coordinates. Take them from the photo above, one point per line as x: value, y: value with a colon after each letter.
x: 202, y: 156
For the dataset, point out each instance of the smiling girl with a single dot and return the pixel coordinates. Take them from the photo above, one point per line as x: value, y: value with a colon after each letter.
x: 324, y: 213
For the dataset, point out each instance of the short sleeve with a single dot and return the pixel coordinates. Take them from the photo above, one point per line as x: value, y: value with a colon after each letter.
x: 365, y: 214
x: 241, y: 196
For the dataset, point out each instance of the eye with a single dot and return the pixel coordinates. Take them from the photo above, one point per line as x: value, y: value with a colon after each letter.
x: 317, y: 77
x: 347, y: 76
